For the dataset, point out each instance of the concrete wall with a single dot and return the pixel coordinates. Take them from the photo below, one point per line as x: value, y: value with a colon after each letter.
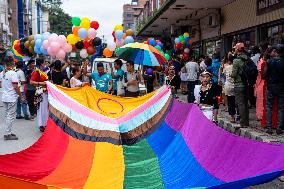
x: 241, y: 14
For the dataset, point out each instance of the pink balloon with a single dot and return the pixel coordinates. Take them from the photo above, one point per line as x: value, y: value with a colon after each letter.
x: 55, y: 46
x: 45, y: 44
x: 92, y: 33
x: 61, y: 54
x: 50, y: 52
x: 119, y: 43
x: 53, y: 38
x: 84, y: 53
x: 62, y: 40
x: 68, y: 47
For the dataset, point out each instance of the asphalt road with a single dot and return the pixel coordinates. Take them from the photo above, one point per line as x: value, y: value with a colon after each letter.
x: 28, y: 134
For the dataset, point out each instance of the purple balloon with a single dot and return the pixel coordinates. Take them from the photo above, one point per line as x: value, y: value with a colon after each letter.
x: 149, y: 71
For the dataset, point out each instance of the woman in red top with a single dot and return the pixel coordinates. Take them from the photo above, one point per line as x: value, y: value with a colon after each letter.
x: 38, y: 79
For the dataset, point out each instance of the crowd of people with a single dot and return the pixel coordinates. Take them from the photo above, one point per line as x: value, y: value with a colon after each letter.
x: 240, y: 80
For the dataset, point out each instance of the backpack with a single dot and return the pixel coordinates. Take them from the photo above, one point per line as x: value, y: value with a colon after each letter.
x: 249, y: 73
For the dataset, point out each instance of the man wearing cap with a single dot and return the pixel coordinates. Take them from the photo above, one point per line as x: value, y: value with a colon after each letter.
x: 240, y: 88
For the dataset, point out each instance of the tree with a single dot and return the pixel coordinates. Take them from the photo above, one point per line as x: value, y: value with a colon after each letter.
x: 60, y: 22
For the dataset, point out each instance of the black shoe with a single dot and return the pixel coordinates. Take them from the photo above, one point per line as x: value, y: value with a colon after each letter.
x: 27, y: 118
x: 10, y: 137
x: 42, y: 128
x: 269, y: 131
x: 279, y: 132
x: 19, y: 117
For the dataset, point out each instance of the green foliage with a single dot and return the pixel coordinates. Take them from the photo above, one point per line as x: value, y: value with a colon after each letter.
x: 60, y: 22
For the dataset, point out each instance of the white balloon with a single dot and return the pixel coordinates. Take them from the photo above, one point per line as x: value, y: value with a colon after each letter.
x: 84, y: 53
x: 186, y: 50
x: 111, y: 46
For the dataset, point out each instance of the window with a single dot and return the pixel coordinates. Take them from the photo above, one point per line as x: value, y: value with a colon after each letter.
x: 128, y: 15
x: 158, y: 2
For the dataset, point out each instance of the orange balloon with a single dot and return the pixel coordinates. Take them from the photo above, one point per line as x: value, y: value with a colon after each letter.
x: 107, y: 53
x: 124, y: 36
x: 75, y: 30
x: 190, y: 41
x: 91, y: 50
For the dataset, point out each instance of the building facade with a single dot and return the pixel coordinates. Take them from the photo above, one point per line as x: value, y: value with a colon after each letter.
x: 214, y: 26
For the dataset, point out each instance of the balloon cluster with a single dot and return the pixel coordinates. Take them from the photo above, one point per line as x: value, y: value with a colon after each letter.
x: 183, y: 42
x: 84, y: 36
x: 23, y: 47
x: 159, y: 46
x: 120, y: 39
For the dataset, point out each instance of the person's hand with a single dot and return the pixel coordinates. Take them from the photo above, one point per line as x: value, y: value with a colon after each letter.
x: 85, y: 84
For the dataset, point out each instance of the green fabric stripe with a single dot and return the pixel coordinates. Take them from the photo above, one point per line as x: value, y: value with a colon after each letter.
x: 142, y: 168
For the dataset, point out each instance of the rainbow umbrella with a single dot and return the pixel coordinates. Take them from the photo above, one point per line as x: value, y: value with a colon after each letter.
x: 142, y: 54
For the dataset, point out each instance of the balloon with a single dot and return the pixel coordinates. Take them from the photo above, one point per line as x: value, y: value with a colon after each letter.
x: 76, y: 21
x: 149, y: 71
x: 85, y: 23
x: 82, y: 33
x: 53, y: 38
x: 27, y: 44
x: 186, y: 50
x: 31, y: 38
x: 167, y: 57
x: 45, y: 44
x: 32, y: 43
x: 178, y: 45
x: 55, y: 46
x: 160, y: 44
x: 79, y: 45
x: 118, y: 27
x: 129, y: 39
x: 68, y: 48
x: 61, y: 54
x: 95, y: 25
x: 31, y: 50
x: 119, y: 43
x: 91, y: 50
x: 92, y: 33
x: 111, y: 46
x: 186, y: 34
x: 38, y: 43
x: 107, y: 53
x: 119, y: 34
x: 84, y: 53
x: 72, y: 39
x: 62, y: 40
x: 181, y: 38
x: 50, y: 52
x: 86, y: 44
x: 176, y: 40
x: 75, y: 30
x: 186, y: 39
x: 129, y: 32
x: 124, y: 35
x: 190, y: 41
x: 152, y: 42
x: 37, y: 50
x: 97, y: 42
x: 37, y: 36
x: 145, y: 42
x: 158, y: 47
x: 43, y: 51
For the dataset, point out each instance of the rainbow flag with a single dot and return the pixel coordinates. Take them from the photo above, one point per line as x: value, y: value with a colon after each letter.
x: 95, y: 140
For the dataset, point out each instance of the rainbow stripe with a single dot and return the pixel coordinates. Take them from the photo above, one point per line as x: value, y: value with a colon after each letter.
x: 165, y: 144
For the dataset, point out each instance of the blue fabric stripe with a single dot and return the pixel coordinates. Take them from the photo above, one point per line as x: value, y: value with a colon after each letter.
x: 173, y: 155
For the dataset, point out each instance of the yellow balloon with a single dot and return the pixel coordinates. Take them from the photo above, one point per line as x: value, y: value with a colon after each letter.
x: 118, y: 27
x: 186, y: 34
x: 72, y: 39
x: 85, y: 19
x: 85, y: 24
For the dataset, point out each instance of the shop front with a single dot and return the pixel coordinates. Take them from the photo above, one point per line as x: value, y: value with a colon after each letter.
x: 273, y: 33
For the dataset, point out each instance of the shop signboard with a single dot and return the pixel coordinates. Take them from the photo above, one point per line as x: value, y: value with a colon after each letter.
x: 265, y: 6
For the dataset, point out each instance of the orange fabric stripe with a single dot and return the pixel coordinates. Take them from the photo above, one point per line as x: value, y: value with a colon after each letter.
x: 13, y: 183
x: 75, y: 167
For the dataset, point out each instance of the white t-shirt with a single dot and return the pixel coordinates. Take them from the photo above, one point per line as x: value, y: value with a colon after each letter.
x: 192, y: 69
x: 7, y: 80
x: 22, y: 78
x: 75, y: 82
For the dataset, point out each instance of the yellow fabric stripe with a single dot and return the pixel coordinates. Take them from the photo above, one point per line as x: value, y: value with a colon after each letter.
x: 108, y: 167
x: 105, y: 104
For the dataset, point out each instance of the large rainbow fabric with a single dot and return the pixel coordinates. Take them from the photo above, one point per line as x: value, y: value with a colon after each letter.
x: 97, y: 141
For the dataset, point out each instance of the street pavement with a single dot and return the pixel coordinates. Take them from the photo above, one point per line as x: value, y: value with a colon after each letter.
x: 28, y: 134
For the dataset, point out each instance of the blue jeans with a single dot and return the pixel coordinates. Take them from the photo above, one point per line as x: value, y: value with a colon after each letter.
x: 22, y: 106
x: 272, y: 93
x: 190, y: 88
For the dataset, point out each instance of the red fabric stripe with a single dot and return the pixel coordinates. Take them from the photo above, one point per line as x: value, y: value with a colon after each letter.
x: 40, y: 159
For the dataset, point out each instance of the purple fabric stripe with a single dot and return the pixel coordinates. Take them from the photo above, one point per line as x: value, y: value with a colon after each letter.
x: 224, y: 155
